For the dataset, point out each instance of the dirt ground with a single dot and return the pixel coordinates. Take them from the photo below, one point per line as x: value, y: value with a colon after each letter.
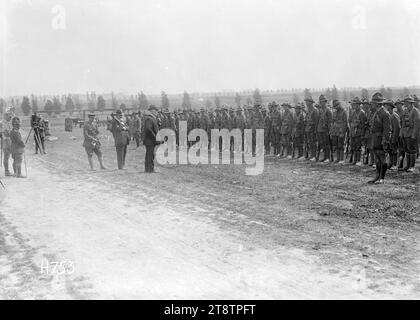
x: 299, y: 230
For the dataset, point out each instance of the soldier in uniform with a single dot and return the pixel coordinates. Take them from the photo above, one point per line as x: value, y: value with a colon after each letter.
x: 91, y: 141
x: 395, y: 133
x: 231, y: 125
x: 338, y: 130
x: 401, y: 154
x: 150, y: 131
x: 368, y: 155
x: 17, y: 148
x: 275, y: 134
x: 287, y: 127
x: 417, y: 107
x: 311, y: 124
x: 299, y: 133
x: 5, y: 128
x: 357, y: 130
x: 380, y: 133
x: 267, y: 128
x: 119, y: 130
x: 240, y: 124
x: 257, y: 123
x: 323, y: 128
x: 409, y: 132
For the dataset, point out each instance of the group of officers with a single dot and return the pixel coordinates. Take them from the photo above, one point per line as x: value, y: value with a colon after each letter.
x: 381, y: 132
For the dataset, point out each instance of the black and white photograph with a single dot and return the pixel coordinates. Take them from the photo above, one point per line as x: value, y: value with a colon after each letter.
x: 209, y: 150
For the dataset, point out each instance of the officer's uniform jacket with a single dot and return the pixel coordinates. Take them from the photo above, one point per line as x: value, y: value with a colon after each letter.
x: 380, y: 126
x: 299, y: 124
x: 358, y: 122
x: 287, y: 123
x: 311, y: 120
x: 395, y: 127
x: 90, y: 133
x: 410, y: 123
x: 324, y: 120
x: 17, y: 144
x: 339, y: 124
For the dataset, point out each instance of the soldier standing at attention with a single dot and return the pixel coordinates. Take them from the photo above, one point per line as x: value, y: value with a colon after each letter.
x: 380, y: 133
x: 91, y: 142
x: 275, y: 128
x: 401, y: 154
x: 240, y: 124
x: 299, y: 134
x: 357, y: 130
x: 287, y: 131
x: 5, y: 129
x: 366, y: 141
x: 339, y: 128
x: 17, y: 148
x: 395, y: 133
x: 204, y: 123
x: 323, y: 128
x: 150, y: 131
x: 119, y: 130
x: 311, y: 123
x: 409, y: 127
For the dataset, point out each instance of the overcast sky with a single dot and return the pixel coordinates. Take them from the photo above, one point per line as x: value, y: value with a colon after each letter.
x: 206, y: 45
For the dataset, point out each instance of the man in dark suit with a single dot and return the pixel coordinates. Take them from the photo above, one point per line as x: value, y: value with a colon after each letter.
x: 151, y: 128
x: 119, y: 130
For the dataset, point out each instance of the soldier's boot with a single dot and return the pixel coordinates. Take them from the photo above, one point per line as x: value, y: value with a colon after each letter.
x: 19, y: 171
x: 351, y: 157
x: 393, y: 162
x: 341, y: 157
x: 300, y: 153
x: 378, y: 175
x: 337, y: 156
x: 412, y: 161
x: 328, y: 156
x: 407, y: 161
x: 383, y: 167
x: 370, y: 160
x: 101, y: 162
x: 6, y: 168
x: 401, y: 164
x: 90, y: 163
x: 289, y: 152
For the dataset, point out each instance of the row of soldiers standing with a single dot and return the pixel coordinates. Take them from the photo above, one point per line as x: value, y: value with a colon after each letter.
x: 313, y: 129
